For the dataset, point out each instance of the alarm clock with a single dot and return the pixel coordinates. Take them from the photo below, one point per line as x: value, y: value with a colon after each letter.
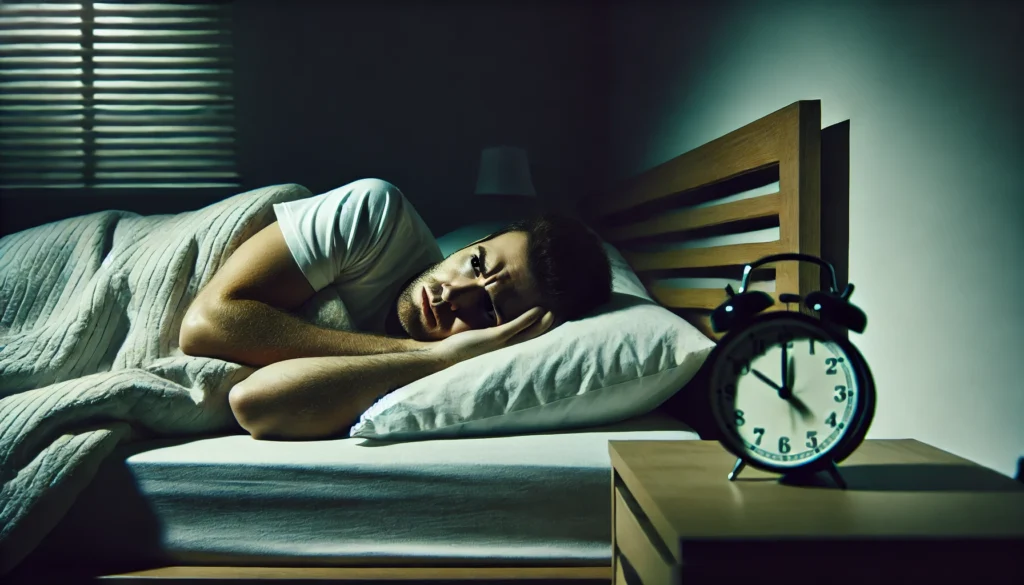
x: 790, y: 393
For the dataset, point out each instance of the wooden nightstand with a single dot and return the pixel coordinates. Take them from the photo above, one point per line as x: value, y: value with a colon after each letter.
x: 912, y: 513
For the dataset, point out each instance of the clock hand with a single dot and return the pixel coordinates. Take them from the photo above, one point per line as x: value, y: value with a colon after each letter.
x: 790, y: 380
x: 800, y: 407
x: 785, y: 369
x: 786, y: 393
x: 766, y: 380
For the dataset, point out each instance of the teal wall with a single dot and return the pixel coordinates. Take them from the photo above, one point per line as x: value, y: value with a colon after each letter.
x: 932, y: 92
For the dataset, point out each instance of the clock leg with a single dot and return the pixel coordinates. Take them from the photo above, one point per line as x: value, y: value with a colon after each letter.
x: 836, y: 476
x: 736, y: 469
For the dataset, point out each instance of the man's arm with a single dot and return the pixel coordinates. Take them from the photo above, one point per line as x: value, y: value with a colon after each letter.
x: 242, y: 315
x: 312, y: 398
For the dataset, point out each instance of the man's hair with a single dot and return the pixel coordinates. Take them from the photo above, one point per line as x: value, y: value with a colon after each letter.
x: 567, y: 262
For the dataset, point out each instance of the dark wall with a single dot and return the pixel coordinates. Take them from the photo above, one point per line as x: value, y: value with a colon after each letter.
x: 407, y: 91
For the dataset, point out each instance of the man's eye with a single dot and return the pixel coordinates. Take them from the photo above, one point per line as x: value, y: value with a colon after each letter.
x: 475, y: 263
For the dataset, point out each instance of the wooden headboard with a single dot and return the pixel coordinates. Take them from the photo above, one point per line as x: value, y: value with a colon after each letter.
x: 676, y: 202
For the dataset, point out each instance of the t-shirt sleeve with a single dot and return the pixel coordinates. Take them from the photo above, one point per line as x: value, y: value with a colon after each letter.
x: 338, y: 233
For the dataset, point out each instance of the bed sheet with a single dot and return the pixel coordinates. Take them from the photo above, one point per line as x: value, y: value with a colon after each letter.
x: 515, y: 500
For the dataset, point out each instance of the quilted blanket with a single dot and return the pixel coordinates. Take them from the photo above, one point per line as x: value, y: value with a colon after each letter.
x: 90, y: 309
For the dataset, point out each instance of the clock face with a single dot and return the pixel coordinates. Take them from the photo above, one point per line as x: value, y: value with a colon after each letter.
x: 785, y: 392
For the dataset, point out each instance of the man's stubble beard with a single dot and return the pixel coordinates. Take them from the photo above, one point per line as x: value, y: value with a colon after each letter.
x: 408, y: 304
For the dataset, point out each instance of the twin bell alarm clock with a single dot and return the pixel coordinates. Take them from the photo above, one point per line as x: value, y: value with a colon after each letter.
x: 789, y: 393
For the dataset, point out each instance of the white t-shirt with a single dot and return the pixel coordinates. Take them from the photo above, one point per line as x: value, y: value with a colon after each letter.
x: 363, y: 239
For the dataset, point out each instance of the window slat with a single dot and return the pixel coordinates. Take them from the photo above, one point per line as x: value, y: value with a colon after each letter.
x: 27, y: 98
x: 143, y: 86
x: 38, y: 63
x: 35, y: 120
x: 163, y: 140
x: 155, y: 109
x: 114, y: 175
x: 48, y: 153
x: 125, y: 73
x: 141, y: 36
x: 197, y: 130
x: 167, y: 185
x: 162, y: 153
x: 32, y: 22
x: 43, y: 176
x: 29, y: 35
x: 158, y: 63
x: 40, y: 74
x: 143, y: 99
x: 37, y: 142
x: 40, y: 164
x: 39, y: 9
x: 181, y: 164
x: 163, y: 23
x: 126, y: 47
x: 202, y: 120
x: 184, y: 8
x: 39, y: 130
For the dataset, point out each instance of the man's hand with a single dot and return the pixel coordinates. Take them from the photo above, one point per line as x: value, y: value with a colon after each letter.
x: 469, y: 344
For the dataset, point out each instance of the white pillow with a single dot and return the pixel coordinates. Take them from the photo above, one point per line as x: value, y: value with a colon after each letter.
x: 622, y: 361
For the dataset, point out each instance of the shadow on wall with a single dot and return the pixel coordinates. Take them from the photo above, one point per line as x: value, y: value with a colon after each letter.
x: 835, y: 201
x: 409, y: 92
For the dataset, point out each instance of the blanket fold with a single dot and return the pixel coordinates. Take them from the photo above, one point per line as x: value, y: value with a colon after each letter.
x: 90, y: 310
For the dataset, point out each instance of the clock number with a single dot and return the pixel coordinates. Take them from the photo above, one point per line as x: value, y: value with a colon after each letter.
x: 812, y: 439
x: 831, y: 363
x: 739, y: 418
x: 760, y: 434
x: 786, y: 338
x: 842, y: 394
x: 741, y: 368
x: 812, y: 347
x: 729, y: 390
x: 758, y: 346
x: 831, y: 420
x: 784, y: 445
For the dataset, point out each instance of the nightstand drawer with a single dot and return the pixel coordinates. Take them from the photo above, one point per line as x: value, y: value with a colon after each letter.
x: 637, y: 541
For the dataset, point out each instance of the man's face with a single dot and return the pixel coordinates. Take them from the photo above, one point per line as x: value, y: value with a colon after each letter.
x: 482, y: 285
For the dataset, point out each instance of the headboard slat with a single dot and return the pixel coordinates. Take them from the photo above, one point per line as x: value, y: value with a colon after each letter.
x: 735, y: 255
x: 752, y: 147
x: 758, y: 207
x: 681, y: 298
x: 692, y: 298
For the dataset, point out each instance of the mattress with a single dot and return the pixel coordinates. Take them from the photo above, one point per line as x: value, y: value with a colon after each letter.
x: 539, y: 499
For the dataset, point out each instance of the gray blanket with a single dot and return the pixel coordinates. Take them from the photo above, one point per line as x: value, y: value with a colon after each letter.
x: 90, y: 309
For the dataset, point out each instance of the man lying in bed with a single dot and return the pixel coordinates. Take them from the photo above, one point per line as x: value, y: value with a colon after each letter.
x: 417, y: 313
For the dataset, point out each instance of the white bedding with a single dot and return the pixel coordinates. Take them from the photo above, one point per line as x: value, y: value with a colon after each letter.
x: 531, y: 499
x: 90, y: 308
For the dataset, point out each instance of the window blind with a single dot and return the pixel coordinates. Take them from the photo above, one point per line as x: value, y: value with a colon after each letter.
x: 116, y: 95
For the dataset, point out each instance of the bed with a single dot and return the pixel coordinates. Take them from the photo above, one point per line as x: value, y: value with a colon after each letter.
x: 498, y: 508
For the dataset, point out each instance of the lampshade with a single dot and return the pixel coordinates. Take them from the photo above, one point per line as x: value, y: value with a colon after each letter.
x: 504, y: 170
